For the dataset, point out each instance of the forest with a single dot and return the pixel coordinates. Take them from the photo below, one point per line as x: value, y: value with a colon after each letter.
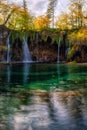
x: 64, y: 35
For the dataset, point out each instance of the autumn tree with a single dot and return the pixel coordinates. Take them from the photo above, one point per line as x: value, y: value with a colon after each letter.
x: 4, y: 12
x: 76, y: 13
x: 20, y: 19
x: 15, y: 16
x: 75, y: 17
x: 62, y: 21
x: 25, y: 15
x: 41, y: 22
x: 51, y: 10
x: 85, y: 19
x: 85, y: 14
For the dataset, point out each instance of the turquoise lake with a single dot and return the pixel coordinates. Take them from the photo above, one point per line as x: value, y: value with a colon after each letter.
x: 43, y: 96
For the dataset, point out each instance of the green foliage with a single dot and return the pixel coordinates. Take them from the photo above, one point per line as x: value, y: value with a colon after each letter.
x: 17, y: 34
x: 52, y: 32
x: 21, y: 35
x: 21, y: 20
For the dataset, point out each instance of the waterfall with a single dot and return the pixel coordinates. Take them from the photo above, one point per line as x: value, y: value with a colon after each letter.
x: 26, y: 52
x: 67, y: 50
x: 58, y: 60
x: 37, y: 38
x: 8, y: 48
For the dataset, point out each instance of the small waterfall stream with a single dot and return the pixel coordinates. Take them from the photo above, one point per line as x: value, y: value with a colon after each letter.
x: 8, y: 48
x: 58, y: 60
x: 26, y: 52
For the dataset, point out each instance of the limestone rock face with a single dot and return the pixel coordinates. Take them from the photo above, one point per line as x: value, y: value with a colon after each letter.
x: 4, y: 32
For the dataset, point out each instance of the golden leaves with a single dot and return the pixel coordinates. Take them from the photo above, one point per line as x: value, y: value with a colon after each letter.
x: 41, y: 22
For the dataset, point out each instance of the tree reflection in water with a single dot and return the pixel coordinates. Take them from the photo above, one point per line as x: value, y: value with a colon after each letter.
x: 43, y: 110
x: 43, y: 97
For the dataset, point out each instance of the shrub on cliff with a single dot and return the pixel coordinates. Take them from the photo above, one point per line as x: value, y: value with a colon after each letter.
x: 78, y: 37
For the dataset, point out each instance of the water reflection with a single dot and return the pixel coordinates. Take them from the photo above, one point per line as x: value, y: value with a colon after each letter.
x: 34, y: 116
x: 60, y: 109
x: 43, y: 97
x: 44, y: 111
x: 26, y: 71
x: 8, y: 74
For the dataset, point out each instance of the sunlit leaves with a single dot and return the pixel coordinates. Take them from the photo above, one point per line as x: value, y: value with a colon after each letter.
x: 76, y: 13
x: 4, y: 10
x: 78, y: 37
x: 41, y: 22
x: 21, y: 19
x: 15, y: 17
x: 63, y: 21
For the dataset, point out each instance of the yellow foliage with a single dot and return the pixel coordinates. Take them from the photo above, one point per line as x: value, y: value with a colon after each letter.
x: 3, y: 47
x: 62, y: 21
x: 41, y: 22
x: 20, y: 19
x: 79, y: 36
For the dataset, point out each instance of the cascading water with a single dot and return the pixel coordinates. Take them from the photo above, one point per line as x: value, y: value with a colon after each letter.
x: 37, y: 38
x: 58, y: 60
x: 26, y: 52
x: 8, y: 48
x: 68, y: 49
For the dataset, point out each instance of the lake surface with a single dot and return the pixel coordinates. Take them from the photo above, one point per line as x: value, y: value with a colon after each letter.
x: 43, y: 97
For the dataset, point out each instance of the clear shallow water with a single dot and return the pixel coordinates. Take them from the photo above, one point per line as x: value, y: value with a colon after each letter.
x: 43, y: 97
